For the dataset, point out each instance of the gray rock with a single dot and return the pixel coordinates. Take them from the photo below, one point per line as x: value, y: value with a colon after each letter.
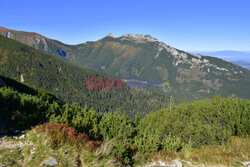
x: 160, y: 164
x: 19, y: 149
x: 50, y: 162
x: 1, y: 165
x: 17, y: 131
x: 29, y: 158
x: 246, y: 163
x: 21, y: 137
x: 15, y: 137
x: 8, y: 34
x: 177, y: 163
x: 110, y: 35
x: 32, y: 150
x: 3, y: 138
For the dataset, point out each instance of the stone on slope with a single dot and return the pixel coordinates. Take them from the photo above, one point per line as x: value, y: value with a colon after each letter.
x: 50, y: 162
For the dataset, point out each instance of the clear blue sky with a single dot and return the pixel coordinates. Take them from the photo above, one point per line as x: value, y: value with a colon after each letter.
x: 185, y: 24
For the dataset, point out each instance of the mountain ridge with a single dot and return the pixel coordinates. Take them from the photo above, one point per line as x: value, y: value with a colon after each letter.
x: 139, y: 57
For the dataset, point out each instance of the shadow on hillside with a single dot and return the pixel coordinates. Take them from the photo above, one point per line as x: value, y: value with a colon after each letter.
x: 13, y: 109
x: 22, y: 88
x: 8, y: 130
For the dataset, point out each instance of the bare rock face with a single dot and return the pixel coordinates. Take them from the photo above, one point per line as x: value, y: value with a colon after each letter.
x: 8, y: 34
x: 175, y: 163
x: 142, y: 38
x: 246, y: 163
x: 110, y: 35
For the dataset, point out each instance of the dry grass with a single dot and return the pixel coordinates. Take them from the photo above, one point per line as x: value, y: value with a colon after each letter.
x: 232, y: 153
x: 229, y: 154
x: 66, y: 155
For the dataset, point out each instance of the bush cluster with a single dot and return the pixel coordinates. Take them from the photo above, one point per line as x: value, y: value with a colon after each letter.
x: 206, y: 122
x: 198, y: 123
x: 61, y: 134
x: 24, y: 110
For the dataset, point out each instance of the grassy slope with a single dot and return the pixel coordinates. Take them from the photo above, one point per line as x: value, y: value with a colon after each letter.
x: 66, y: 155
x: 230, y: 154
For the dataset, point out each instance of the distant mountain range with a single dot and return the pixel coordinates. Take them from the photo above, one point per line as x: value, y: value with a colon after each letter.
x: 245, y: 64
x: 237, y: 57
x: 143, y: 60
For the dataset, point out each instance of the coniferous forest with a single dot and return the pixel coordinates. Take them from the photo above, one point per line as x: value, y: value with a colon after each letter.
x: 208, y: 122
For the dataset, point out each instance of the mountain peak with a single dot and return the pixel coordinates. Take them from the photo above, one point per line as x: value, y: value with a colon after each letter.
x: 110, y: 35
x: 139, y: 37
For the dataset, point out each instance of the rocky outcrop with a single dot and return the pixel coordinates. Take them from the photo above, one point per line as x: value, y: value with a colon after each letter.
x: 246, y: 163
x: 110, y: 35
x: 175, y: 163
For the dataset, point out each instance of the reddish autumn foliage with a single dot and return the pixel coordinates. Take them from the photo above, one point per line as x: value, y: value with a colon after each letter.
x: 93, y: 145
x: 61, y: 134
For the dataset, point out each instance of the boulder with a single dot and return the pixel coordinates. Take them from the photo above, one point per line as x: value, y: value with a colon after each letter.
x: 50, y: 162
x: 246, y: 163
x: 177, y: 163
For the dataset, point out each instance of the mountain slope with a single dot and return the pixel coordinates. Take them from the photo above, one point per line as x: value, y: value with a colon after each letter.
x: 228, y: 55
x: 68, y: 82
x: 240, y: 58
x: 146, y: 62
x: 53, y: 47
x: 180, y: 74
x: 216, y: 127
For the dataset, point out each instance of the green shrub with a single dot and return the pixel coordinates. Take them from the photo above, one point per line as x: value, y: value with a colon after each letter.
x: 171, y: 143
x: 23, y: 110
x: 195, y: 124
x: 205, y: 122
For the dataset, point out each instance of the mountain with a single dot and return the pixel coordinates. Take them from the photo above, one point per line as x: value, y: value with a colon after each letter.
x: 68, y: 82
x: 53, y: 47
x: 77, y: 136
x: 144, y: 61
